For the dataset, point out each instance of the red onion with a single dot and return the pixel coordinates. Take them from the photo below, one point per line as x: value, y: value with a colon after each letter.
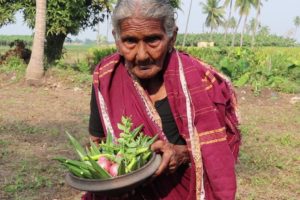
x: 104, y: 163
x: 113, y: 170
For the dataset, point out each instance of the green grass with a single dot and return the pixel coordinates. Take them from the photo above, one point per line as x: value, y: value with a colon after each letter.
x: 269, y: 159
x: 29, y: 177
x: 15, y: 67
x: 23, y: 128
x: 69, y: 76
x: 79, y: 48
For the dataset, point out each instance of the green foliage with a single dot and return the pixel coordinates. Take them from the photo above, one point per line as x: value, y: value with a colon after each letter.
x: 215, y: 13
x: 6, y: 40
x: 88, y: 64
x: 218, y: 39
x: 254, y: 67
x: 68, y: 16
x: 8, y: 9
x: 13, y: 65
x: 130, y: 152
x: 81, y: 66
x: 63, y: 18
x: 69, y: 76
x: 99, y: 53
x: 175, y: 3
x: 277, y: 68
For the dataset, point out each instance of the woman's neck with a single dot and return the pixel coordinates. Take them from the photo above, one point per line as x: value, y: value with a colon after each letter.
x: 155, y: 88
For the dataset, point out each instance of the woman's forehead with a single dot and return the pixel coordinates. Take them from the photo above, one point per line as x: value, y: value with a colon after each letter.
x: 143, y: 25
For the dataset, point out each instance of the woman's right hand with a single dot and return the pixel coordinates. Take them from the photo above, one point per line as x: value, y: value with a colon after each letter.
x: 172, y: 156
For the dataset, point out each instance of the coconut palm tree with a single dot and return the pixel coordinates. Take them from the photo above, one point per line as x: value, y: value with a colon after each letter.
x: 232, y: 24
x: 227, y: 3
x: 244, y: 7
x: 35, y: 68
x: 187, y: 23
x: 257, y: 5
x: 297, y: 22
x: 175, y: 3
x: 251, y: 27
x: 215, y: 14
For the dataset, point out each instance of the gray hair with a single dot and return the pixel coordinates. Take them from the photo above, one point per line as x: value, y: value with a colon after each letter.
x: 155, y: 9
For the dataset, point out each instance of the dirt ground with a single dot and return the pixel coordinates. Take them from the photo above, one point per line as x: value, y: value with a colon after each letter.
x: 33, y: 122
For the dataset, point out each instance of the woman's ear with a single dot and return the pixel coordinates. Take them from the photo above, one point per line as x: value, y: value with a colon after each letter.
x: 173, y: 38
x: 116, y: 41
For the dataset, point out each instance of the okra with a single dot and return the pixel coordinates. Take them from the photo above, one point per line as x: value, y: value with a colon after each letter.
x: 142, y: 150
x: 96, y: 157
x: 131, y: 165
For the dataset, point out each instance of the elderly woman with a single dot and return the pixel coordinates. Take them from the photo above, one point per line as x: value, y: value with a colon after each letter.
x: 181, y: 99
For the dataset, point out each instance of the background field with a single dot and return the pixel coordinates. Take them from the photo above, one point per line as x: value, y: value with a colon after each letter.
x: 33, y: 122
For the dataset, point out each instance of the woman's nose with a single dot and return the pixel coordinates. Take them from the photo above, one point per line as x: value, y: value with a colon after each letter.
x: 142, y: 53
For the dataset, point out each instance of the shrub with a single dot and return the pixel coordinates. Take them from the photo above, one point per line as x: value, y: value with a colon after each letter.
x: 15, y: 66
x: 99, y: 53
x: 255, y: 67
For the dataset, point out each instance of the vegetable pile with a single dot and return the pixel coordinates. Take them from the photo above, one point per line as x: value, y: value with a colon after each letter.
x: 114, y: 157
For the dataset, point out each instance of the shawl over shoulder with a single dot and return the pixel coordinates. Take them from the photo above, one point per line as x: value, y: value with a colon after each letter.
x: 204, y: 108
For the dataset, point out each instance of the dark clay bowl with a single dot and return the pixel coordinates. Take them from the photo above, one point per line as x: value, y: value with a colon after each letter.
x: 118, y: 185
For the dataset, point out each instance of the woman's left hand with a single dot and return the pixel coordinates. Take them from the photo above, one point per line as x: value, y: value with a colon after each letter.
x: 172, y: 156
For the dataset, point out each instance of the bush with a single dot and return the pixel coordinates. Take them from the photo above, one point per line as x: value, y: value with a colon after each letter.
x: 99, y: 53
x: 15, y: 66
x: 255, y: 67
x: 219, y: 40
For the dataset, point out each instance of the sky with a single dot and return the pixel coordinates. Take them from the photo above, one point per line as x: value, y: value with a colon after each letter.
x: 278, y: 15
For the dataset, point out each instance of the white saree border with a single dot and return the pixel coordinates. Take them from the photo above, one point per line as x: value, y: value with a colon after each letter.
x: 194, y: 139
x: 105, y: 116
x: 150, y: 108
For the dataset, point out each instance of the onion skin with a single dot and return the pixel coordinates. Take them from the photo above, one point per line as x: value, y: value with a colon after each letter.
x: 104, y: 163
x: 113, y: 170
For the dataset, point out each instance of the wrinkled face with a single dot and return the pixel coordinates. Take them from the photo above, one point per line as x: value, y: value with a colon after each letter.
x: 144, y: 45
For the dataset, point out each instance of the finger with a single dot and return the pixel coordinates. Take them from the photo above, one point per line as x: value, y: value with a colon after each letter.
x: 157, y: 146
x: 172, y: 168
x: 164, y: 163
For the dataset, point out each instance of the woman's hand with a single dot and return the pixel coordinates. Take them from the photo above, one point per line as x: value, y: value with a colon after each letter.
x: 172, y: 156
x: 97, y: 140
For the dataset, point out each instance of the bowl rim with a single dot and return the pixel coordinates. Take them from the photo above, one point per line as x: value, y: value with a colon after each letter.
x: 116, y: 183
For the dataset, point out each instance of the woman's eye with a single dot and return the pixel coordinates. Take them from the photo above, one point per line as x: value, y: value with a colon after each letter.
x: 152, y: 40
x: 129, y: 40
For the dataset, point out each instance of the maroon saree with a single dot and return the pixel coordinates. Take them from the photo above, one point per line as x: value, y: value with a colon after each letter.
x: 203, y: 106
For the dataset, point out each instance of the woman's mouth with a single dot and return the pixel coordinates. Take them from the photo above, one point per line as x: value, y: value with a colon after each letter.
x: 144, y: 67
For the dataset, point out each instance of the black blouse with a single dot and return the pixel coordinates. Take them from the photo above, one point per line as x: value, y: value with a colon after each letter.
x: 163, y: 108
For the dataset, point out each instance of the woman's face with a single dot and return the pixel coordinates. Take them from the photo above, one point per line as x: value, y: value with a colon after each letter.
x: 144, y: 45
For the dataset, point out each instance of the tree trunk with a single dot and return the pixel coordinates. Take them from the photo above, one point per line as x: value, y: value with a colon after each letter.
x: 210, y: 34
x: 229, y: 17
x: 187, y: 23
x: 54, y: 47
x: 243, y: 30
x: 255, y: 25
x: 35, y: 68
x: 235, y: 31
